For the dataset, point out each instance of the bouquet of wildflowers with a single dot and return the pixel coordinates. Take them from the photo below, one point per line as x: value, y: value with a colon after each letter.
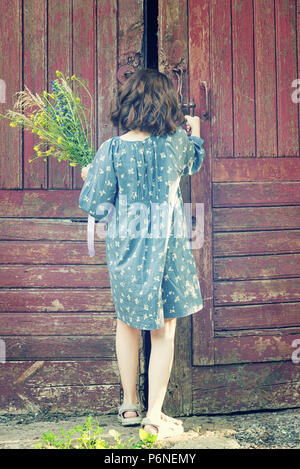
x: 59, y: 119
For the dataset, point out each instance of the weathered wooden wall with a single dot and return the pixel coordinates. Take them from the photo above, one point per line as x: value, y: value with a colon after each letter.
x: 248, y: 54
x: 56, y: 311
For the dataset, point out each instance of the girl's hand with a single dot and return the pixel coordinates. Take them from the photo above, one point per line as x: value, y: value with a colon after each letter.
x: 84, y: 171
x: 193, y: 125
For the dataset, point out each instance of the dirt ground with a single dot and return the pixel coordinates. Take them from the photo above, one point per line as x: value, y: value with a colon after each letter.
x: 257, y: 430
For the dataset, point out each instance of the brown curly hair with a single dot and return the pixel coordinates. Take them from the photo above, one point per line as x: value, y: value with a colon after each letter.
x: 147, y: 101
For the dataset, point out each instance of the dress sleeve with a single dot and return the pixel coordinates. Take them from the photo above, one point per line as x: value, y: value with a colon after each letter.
x: 100, y: 186
x: 194, y: 155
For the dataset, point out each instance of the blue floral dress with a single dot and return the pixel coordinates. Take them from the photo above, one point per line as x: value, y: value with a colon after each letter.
x: 134, y: 187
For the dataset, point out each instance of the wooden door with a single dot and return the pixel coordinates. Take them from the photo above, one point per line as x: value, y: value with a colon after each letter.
x: 247, y: 52
x: 238, y: 60
x: 56, y: 312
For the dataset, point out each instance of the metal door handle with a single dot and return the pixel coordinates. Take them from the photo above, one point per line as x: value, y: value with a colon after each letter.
x: 204, y: 115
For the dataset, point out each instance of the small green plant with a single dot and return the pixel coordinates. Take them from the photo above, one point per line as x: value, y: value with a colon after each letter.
x: 89, y: 436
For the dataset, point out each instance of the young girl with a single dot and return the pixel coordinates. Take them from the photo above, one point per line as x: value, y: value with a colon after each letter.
x: 153, y: 276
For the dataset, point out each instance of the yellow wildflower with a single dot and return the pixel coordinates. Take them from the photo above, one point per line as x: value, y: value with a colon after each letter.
x: 59, y: 140
x: 73, y: 164
x: 12, y: 124
x: 73, y: 77
x: 58, y: 74
x: 36, y: 148
x: 39, y: 153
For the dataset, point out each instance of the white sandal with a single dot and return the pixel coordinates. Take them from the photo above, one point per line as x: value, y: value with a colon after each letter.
x: 166, y: 428
x: 128, y: 421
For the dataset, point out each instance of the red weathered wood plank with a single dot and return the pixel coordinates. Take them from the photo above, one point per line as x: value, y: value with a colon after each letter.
x: 257, y: 316
x: 53, y: 299
x: 255, y: 193
x: 11, y: 64
x: 265, y: 78
x: 59, y: 58
x: 84, y: 61
x: 244, y: 376
x: 59, y: 347
x: 245, y: 387
x: 243, y: 78
x: 256, y: 267
x: 45, y: 204
x: 61, y: 399
x: 35, y: 70
x: 203, y: 351
x: 107, y: 59
x: 86, y: 323
x: 221, y: 79
x: 54, y: 276
x: 43, y: 229
x: 59, y: 373
x: 256, y: 169
x: 130, y: 32
x: 286, y: 72
x: 39, y: 252
x: 257, y: 291
x: 249, y: 349
x: 268, y: 242
x: 172, y: 41
x: 257, y: 218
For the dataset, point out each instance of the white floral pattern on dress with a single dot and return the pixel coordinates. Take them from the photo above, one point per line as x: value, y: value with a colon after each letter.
x: 151, y: 277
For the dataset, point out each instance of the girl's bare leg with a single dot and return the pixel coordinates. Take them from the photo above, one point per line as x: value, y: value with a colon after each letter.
x: 127, y: 354
x: 160, y: 365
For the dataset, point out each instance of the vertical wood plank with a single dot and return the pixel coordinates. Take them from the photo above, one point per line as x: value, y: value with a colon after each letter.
x: 199, y: 59
x: 84, y: 60
x: 11, y: 73
x: 59, y: 58
x: 286, y: 61
x: 172, y: 48
x: 130, y: 33
x: 243, y: 78
x: 107, y: 53
x: 35, y: 41
x: 265, y: 80
x: 221, y: 79
x: 173, y: 54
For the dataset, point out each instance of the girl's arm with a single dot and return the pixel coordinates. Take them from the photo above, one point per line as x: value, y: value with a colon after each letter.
x: 84, y: 171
